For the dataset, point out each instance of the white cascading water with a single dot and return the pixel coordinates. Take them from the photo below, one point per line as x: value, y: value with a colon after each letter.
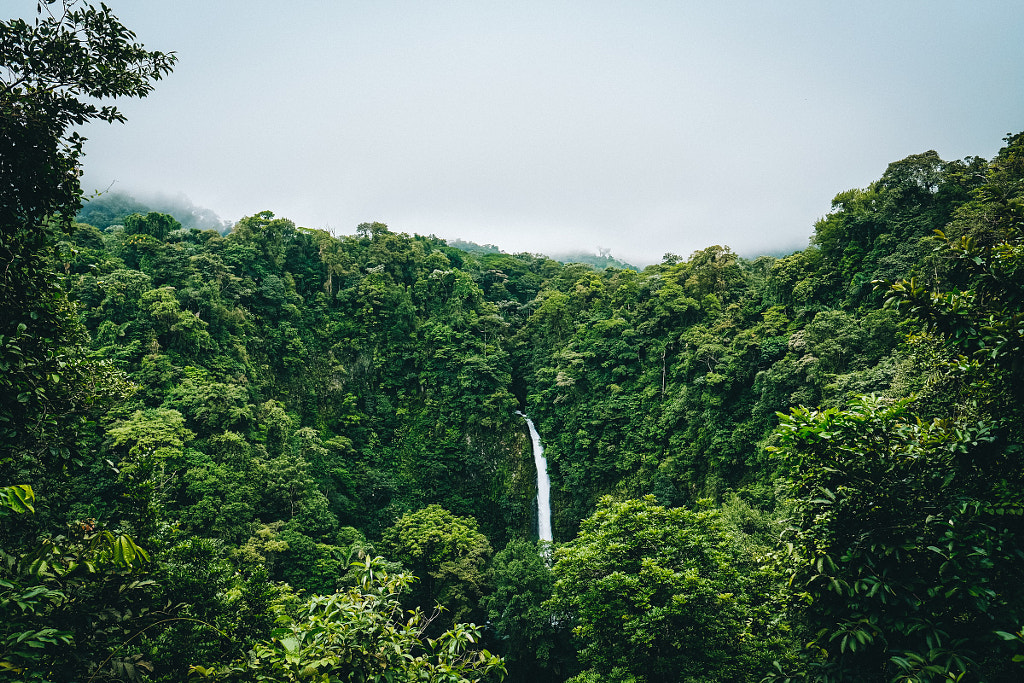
x: 543, y: 484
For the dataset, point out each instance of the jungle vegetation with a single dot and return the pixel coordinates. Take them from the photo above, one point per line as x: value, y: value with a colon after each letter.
x: 275, y: 454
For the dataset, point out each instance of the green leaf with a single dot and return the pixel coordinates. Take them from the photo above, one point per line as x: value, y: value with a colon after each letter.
x: 18, y: 498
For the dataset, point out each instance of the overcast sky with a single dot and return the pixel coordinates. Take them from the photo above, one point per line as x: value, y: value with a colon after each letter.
x: 643, y: 127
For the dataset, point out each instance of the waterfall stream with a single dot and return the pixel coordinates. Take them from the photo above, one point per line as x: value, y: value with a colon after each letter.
x: 543, y: 484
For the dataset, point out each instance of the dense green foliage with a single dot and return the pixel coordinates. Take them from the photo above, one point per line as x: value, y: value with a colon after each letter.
x: 447, y: 554
x: 660, y: 594
x: 907, y: 538
x: 360, y: 635
x: 806, y: 467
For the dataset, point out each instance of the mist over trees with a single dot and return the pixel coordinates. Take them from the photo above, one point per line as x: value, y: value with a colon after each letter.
x: 276, y: 454
x: 112, y: 207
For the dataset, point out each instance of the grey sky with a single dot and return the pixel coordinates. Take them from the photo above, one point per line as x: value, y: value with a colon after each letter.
x: 643, y: 127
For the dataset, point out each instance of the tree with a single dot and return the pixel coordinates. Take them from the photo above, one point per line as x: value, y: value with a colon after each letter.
x: 157, y: 225
x: 656, y: 595
x: 906, y: 546
x: 531, y: 641
x: 985, y: 318
x: 448, y: 555
x: 906, y: 551
x: 53, y: 74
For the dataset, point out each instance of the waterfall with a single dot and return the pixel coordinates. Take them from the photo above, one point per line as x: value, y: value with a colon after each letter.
x: 543, y: 483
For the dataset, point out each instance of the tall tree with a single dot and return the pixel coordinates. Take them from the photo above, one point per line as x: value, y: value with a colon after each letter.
x: 54, y: 74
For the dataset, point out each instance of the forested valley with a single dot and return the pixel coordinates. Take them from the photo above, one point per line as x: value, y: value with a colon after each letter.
x: 269, y: 453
